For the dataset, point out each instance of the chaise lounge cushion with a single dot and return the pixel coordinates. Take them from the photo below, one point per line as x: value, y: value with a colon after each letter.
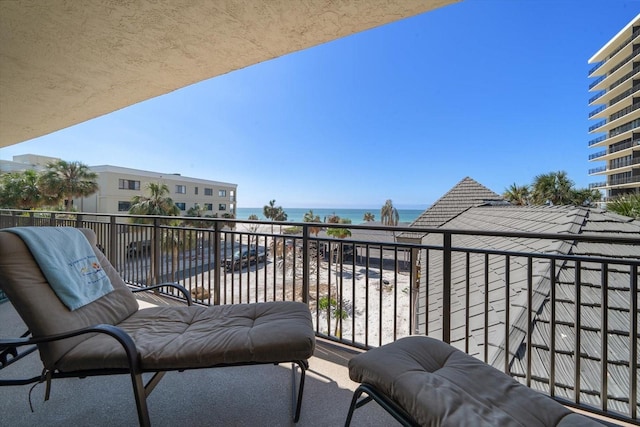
x: 200, y: 337
x: 439, y: 385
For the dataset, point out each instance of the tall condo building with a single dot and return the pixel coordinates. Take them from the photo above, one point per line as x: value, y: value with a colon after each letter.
x: 616, y: 98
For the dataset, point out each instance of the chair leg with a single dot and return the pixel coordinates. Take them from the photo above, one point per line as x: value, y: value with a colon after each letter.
x: 141, y: 400
x: 297, y: 403
x: 354, y: 401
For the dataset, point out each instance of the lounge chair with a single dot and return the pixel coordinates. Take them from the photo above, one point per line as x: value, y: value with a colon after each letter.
x: 111, y: 335
x: 422, y: 381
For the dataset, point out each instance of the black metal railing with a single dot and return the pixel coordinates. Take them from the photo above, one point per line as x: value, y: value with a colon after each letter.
x: 527, y: 303
x: 594, y: 141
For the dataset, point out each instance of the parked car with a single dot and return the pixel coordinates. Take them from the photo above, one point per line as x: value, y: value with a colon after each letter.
x: 245, y: 257
x: 139, y: 248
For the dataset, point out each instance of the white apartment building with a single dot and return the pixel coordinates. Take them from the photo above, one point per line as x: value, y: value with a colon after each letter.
x: 118, y: 185
x: 617, y: 86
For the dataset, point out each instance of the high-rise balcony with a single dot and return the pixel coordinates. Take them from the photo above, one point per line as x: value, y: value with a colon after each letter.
x: 465, y: 287
x: 597, y: 170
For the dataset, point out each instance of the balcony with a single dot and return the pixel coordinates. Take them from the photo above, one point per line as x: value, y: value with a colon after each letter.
x: 597, y: 125
x: 462, y: 286
x: 594, y: 141
x: 597, y: 170
x: 597, y: 155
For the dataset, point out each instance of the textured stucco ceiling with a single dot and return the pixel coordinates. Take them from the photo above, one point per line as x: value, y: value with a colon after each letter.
x: 66, y: 61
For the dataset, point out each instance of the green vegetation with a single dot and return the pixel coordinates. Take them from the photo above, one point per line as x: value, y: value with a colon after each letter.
x: 274, y: 213
x: 63, y: 181
x: 157, y: 203
x: 330, y: 305
x: 553, y: 188
x: 368, y: 217
x: 311, y: 217
x: 627, y: 205
x: 56, y: 187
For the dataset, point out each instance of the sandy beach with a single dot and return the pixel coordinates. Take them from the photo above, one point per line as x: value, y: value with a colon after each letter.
x: 368, y: 296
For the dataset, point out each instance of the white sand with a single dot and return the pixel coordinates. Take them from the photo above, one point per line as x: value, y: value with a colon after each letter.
x: 384, y: 292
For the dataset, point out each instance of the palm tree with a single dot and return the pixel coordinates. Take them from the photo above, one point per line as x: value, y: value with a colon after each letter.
x: 340, y: 233
x: 21, y: 190
x: 553, y: 188
x: 64, y: 181
x: 517, y: 194
x: 388, y: 214
x: 310, y: 217
x: 585, y: 196
x: 158, y: 203
x: 368, y: 217
x: 274, y: 213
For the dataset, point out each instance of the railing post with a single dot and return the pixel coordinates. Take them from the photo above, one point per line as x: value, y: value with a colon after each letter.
x: 157, y: 258
x: 305, y: 264
x: 79, y: 220
x: 113, y: 250
x: 633, y: 341
x: 415, y: 290
x: 217, y: 265
x: 52, y: 219
x: 446, y: 287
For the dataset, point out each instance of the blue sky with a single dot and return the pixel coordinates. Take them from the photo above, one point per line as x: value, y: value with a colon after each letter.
x: 492, y: 89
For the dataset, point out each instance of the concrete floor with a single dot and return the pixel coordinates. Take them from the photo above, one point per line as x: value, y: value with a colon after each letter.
x: 238, y: 396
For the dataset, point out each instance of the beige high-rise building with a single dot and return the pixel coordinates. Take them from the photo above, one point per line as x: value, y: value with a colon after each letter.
x: 617, y: 97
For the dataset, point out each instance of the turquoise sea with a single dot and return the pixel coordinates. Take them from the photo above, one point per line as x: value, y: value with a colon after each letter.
x: 355, y: 215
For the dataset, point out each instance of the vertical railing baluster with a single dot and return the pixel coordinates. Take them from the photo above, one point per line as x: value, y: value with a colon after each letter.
x: 380, y: 291
x: 466, y: 302
x: 425, y: 274
x: 218, y: 263
x: 507, y: 312
x: 552, y: 327
x: 486, y: 308
x: 113, y: 249
x: 155, y: 275
x: 305, y: 264
x: 604, y: 315
x: 529, y: 317
x: 578, y: 331
x: 395, y: 294
x: 446, y: 287
x: 366, y: 298
x: 633, y: 342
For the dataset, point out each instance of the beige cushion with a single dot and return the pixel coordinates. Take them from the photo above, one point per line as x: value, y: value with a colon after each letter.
x: 44, y: 314
x: 199, y: 337
x: 440, y: 385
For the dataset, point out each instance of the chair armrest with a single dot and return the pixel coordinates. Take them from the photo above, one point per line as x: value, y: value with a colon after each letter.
x: 8, y: 345
x: 180, y: 288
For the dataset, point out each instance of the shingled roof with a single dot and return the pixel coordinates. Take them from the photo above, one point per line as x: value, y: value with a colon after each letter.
x: 542, y: 219
x: 463, y: 195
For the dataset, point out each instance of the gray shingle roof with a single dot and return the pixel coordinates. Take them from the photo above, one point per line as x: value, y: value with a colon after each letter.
x: 542, y: 219
x: 463, y: 195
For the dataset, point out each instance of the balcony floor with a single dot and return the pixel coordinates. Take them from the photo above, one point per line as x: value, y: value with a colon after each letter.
x: 243, y: 396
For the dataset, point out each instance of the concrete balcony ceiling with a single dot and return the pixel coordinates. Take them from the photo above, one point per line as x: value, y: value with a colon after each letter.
x: 63, y: 62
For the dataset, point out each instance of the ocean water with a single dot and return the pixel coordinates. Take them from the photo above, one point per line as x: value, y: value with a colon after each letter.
x: 356, y: 216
